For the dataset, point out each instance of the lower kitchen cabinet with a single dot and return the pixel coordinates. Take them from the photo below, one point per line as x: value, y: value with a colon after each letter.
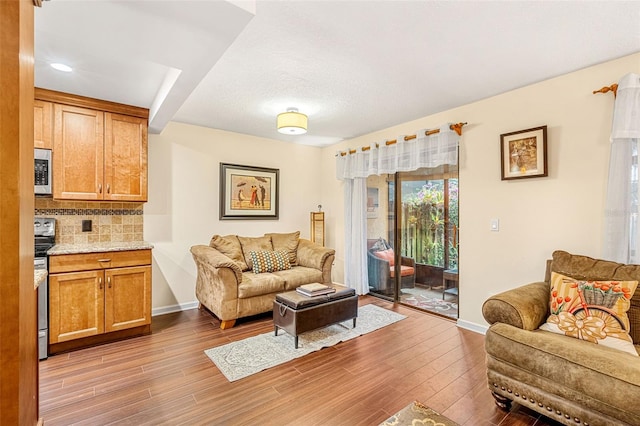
x: 97, y: 297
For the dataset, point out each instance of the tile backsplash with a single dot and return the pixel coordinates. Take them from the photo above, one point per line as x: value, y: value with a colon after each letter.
x: 115, y: 222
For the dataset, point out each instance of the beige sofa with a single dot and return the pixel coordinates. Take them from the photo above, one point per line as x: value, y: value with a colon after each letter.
x: 228, y: 286
x: 572, y: 381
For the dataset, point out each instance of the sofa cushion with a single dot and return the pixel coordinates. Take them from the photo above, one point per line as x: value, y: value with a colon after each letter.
x: 385, y: 255
x: 298, y: 275
x: 287, y: 242
x: 405, y: 271
x: 229, y: 245
x: 596, y: 377
x: 594, y: 311
x: 269, y: 261
x: 259, y: 284
x: 586, y: 268
x: 254, y: 244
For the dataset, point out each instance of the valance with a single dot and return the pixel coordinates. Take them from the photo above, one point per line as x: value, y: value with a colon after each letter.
x: 404, y: 156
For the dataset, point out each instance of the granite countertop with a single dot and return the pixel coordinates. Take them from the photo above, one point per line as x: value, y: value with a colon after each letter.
x: 98, y: 247
x: 39, y: 276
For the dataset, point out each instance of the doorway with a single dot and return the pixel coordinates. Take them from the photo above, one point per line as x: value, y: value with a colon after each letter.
x: 417, y: 212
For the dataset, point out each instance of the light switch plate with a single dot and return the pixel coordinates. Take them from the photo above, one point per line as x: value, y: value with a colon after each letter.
x: 494, y: 225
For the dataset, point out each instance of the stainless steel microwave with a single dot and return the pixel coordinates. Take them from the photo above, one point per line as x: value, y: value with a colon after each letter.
x: 42, y: 169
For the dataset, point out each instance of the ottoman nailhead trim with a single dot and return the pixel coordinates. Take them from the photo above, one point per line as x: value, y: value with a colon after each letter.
x: 549, y: 409
x: 509, y: 390
x: 540, y: 404
x: 503, y: 388
x: 516, y: 394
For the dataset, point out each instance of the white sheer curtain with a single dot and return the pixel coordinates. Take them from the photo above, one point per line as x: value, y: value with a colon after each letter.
x: 403, y: 156
x: 621, y: 210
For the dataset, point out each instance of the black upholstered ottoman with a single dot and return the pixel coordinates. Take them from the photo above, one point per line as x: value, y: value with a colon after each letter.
x: 296, y: 313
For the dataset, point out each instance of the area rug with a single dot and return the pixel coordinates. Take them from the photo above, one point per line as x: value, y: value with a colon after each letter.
x: 433, y: 304
x: 243, y: 358
x: 418, y: 414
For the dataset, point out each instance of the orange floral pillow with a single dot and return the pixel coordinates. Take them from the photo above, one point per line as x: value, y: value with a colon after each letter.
x: 595, y: 311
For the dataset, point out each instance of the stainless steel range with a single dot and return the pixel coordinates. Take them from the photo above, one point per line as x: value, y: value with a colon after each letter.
x: 44, y: 230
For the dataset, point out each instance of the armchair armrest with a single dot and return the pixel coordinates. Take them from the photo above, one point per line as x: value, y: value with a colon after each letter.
x: 407, y: 261
x: 525, y: 307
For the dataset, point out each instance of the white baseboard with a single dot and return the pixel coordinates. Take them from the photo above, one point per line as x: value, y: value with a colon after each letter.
x: 472, y: 326
x: 174, y: 308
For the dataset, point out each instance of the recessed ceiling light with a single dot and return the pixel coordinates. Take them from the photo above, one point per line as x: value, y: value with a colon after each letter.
x: 62, y: 67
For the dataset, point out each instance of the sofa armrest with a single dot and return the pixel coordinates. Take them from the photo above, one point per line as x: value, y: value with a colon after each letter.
x: 525, y: 307
x: 313, y: 255
x: 209, y: 256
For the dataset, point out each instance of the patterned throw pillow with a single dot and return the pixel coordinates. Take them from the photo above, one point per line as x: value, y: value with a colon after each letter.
x: 595, y: 311
x: 269, y: 261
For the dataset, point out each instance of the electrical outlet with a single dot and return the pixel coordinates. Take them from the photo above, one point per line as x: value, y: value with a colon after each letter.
x: 86, y: 226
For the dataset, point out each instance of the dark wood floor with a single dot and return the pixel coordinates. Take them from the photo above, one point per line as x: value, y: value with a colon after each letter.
x: 165, y: 378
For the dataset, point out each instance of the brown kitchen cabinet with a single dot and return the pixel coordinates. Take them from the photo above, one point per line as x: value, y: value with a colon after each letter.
x: 98, y: 297
x: 99, y: 149
x: 42, y: 124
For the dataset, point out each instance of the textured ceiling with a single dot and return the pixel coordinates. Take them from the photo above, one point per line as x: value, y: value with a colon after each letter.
x: 352, y: 67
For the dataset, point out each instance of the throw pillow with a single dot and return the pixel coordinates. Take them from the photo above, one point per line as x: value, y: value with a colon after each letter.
x: 385, y: 255
x: 230, y: 247
x: 269, y: 261
x: 250, y: 244
x: 595, y: 311
x: 380, y: 245
x: 287, y: 242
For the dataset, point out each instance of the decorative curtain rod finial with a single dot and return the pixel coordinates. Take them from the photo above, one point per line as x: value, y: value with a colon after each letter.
x: 613, y: 88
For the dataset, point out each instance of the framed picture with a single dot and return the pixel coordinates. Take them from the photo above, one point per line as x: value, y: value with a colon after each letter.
x: 523, y: 154
x: 248, y: 192
x: 372, y: 203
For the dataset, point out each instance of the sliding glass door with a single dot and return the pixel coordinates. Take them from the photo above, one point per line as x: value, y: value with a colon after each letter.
x: 419, y: 216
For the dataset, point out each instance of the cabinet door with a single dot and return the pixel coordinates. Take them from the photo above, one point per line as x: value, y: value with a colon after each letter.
x: 42, y: 124
x: 78, y: 159
x: 128, y: 297
x: 76, y: 305
x: 125, y: 162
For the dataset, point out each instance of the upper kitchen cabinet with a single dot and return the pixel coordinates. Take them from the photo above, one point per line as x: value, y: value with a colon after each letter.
x: 42, y: 124
x: 99, y: 149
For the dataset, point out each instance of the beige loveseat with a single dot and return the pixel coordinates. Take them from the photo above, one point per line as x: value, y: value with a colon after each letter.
x: 572, y: 381
x: 228, y: 286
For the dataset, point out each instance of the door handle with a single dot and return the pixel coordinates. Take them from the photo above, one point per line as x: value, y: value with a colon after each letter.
x: 108, y: 189
x: 109, y: 281
x: 100, y: 282
x: 104, y: 260
x: 100, y: 188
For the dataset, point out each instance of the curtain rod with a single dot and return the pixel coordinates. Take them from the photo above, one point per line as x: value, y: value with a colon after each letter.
x: 455, y: 127
x: 613, y: 88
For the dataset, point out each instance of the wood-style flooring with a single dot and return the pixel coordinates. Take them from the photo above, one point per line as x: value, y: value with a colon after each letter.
x: 165, y: 378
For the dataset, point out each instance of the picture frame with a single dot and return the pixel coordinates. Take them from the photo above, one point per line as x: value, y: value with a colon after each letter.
x: 523, y: 154
x: 372, y: 203
x: 248, y: 192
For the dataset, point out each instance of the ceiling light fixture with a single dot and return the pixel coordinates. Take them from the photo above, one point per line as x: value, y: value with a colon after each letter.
x: 292, y: 122
x: 61, y: 67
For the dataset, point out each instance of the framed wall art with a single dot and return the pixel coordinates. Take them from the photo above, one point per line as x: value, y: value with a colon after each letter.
x: 523, y: 154
x: 248, y: 192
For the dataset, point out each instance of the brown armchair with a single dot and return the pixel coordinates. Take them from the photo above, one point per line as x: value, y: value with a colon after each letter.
x: 572, y: 381
x: 381, y: 268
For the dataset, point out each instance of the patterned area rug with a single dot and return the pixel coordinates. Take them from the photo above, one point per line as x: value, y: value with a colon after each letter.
x: 418, y: 414
x: 240, y: 359
x: 433, y: 304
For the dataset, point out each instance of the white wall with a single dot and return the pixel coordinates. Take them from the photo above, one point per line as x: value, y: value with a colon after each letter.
x: 183, y: 207
x: 537, y: 216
